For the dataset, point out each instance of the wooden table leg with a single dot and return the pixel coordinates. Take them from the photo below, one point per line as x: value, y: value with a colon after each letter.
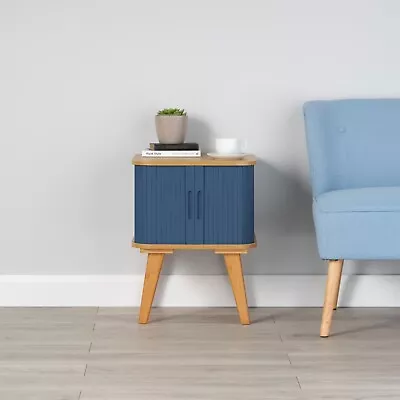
x: 234, y: 267
x: 153, y: 269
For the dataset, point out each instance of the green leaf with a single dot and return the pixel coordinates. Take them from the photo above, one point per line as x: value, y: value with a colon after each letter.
x: 172, y: 111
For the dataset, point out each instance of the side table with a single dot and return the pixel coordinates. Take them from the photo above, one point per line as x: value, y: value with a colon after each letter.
x: 194, y: 204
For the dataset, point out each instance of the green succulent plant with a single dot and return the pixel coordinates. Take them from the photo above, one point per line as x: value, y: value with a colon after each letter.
x: 172, y: 111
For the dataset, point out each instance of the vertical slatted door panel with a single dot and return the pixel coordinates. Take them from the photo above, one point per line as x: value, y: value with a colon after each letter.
x: 143, y: 214
x: 190, y: 207
x: 195, y: 205
x: 199, y: 205
x: 160, y: 206
x: 229, y: 205
x: 248, y: 194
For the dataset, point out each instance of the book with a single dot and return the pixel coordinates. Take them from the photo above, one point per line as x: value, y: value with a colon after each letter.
x: 179, y: 146
x: 171, y: 153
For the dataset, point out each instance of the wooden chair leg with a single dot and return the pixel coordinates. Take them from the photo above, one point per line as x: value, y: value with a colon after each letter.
x: 331, y: 295
x: 338, y: 289
x: 153, y: 269
x: 234, y: 267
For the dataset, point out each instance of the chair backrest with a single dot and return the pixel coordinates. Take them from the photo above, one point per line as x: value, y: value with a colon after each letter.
x: 353, y: 143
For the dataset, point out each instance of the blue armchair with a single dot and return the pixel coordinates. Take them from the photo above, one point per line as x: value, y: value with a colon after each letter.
x: 354, y: 154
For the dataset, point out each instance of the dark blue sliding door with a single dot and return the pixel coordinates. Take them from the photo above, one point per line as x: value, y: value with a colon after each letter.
x: 229, y: 205
x: 194, y: 204
x: 160, y: 205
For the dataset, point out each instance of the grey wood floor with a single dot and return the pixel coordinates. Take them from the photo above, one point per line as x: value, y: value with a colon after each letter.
x: 186, y: 353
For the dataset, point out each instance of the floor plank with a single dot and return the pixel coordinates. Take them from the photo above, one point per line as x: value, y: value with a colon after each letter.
x: 33, y: 394
x: 103, y: 354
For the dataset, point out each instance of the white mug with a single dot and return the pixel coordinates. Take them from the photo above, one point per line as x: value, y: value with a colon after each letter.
x: 228, y: 146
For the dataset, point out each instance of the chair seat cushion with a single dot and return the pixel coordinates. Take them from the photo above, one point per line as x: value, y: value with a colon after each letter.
x: 375, y: 199
x: 358, y: 223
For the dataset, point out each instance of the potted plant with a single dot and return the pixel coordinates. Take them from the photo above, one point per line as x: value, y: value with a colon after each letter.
x: 171, y: 125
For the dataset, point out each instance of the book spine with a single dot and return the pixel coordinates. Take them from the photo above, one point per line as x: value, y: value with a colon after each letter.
x: 176, y: 153
x: 172, y: 147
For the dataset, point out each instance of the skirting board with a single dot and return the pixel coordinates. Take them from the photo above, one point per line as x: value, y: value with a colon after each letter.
x: 194, y: 290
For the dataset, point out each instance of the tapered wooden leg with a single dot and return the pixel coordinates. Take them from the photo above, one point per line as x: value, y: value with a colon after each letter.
x: 338, y: 289
x: 153, y: 269
x: 234, y: 267
x: 331, y: 295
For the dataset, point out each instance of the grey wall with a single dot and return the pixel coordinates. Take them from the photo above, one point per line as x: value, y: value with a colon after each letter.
x: 80, y: 81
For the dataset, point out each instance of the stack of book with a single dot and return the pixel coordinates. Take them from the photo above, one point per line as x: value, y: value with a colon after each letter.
x: 172, y: 150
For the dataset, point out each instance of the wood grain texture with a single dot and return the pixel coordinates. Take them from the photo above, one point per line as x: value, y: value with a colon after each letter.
x: 233, y: 265
x: 203, y: 160
x: 153, y: 269
x: 331, y: 295
x: 217, y: 248
x: 200, y: 354
x: 338, y: 289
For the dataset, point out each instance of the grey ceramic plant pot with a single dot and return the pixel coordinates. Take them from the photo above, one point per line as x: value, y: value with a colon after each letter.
x: 171, y: 129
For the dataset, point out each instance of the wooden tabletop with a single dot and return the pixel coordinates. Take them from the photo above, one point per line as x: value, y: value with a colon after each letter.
x: 203, y: 160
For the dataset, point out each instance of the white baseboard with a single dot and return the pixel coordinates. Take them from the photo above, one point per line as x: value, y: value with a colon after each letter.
x: 194, y: 290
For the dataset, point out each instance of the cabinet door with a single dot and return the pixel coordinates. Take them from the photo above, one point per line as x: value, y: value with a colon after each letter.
x: 229, y: 205
x: 160, y: 204
x: 195, y: 205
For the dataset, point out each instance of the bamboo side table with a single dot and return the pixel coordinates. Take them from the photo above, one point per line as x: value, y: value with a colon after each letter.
x: 194, y: 204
